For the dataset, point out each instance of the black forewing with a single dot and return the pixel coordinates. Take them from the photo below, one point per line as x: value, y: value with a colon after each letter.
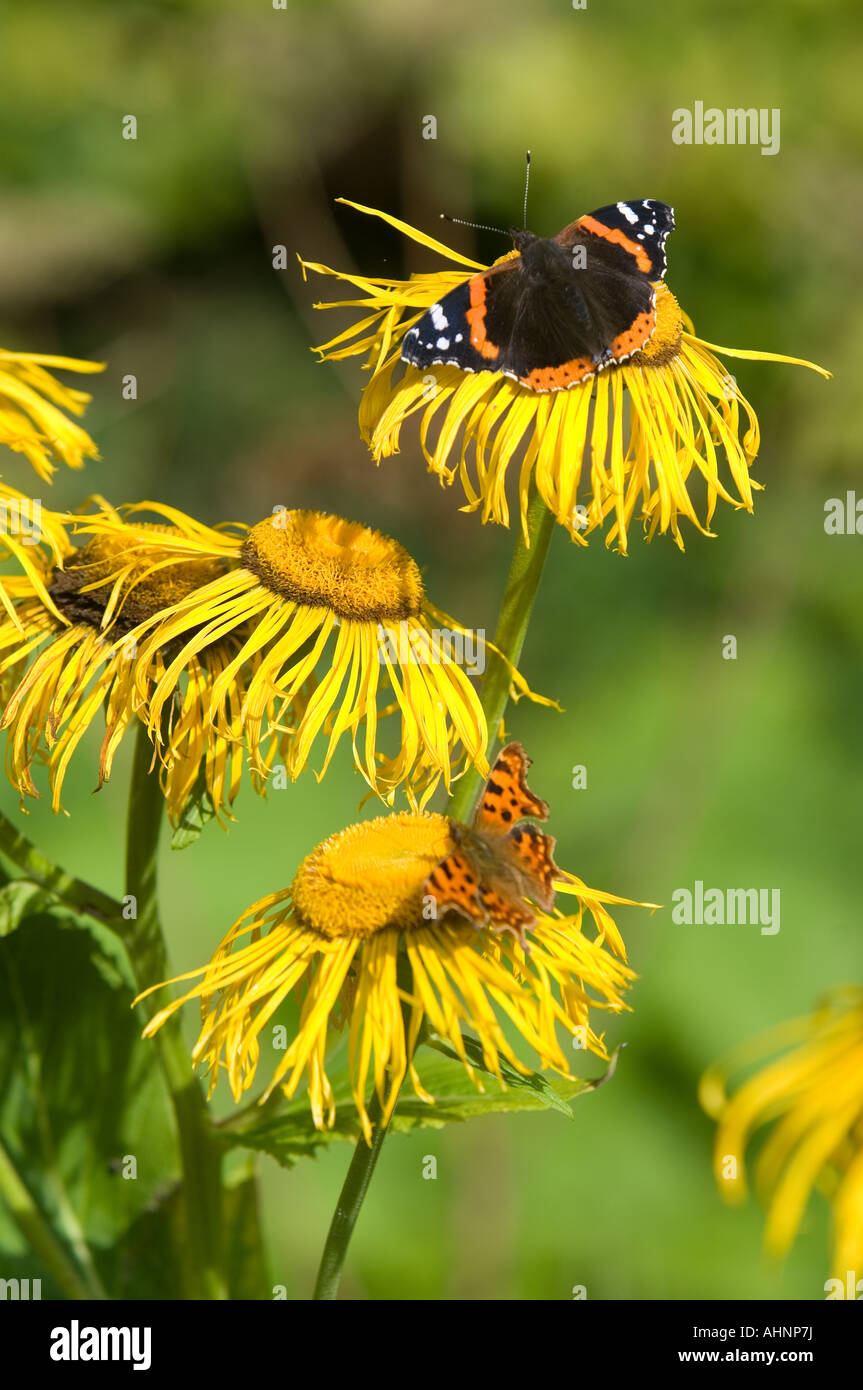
x: 442, y: 335
x: 645, y: 222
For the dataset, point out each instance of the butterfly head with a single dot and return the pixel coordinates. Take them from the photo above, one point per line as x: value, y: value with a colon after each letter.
x: 543, y: 260
x: 522, y: 239
x: 457, y: 831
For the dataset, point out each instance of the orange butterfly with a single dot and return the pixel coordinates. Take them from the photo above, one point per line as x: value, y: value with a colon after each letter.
x: 500, y: 860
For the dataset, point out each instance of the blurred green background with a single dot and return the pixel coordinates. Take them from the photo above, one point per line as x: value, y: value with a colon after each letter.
x: 155, y: 256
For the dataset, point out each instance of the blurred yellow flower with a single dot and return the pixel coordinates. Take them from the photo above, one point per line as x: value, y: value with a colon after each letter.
x: 32, y: 402
x: 350, y: 941
x: 335, y: 616
x: 812, y: 1095
x: 627, y: 443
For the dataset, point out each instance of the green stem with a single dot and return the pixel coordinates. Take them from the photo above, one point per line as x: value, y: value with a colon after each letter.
x: 522, y: 585
x: 351, y: 1198
x: 40, y: 1237
x: 19, y: 851
x: 200, y: 1154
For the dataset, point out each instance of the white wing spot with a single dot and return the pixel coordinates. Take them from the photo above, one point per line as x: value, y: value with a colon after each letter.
x: 627, y: 212
x: 443, y: 344
x: 438, y: 317
x: 649, y: 228
x: 458, y: 337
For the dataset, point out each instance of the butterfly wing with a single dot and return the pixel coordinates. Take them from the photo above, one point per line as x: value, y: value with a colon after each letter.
x: 507, y: 797
x: 453, y: 331
x: 505, y: 913
x: 622, y: 256
x: 534, y: 854
x: 454, y: 886
x: 638, y: 229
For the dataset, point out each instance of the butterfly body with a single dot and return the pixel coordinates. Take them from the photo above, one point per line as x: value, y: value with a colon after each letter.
x: 560, y: 310
x: 496, y: 856
x: 501, y: 863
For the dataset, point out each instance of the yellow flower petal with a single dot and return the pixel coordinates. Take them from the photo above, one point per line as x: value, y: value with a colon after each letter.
x: 32, y: 406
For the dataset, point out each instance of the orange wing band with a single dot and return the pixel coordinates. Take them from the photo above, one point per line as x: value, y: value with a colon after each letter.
x: 476, y: 318
x: 589, y: 224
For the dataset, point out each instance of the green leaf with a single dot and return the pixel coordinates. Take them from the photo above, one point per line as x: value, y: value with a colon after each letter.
x: 546, y: 1095
x: 81, y: 1094
x: 143, y: 1263
x: 20, y: 899
x: 197, y: 811
x: 284, y: 1129
x: 244, y: 1259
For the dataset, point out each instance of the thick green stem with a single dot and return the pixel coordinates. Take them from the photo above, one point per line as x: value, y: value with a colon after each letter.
x: 146, y: 948
x: 522, y: 585
x: 80, y: 895
x: 37, y: 1232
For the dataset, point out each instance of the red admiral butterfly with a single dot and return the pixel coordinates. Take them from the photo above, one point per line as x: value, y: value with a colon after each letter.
x: 561, y: 310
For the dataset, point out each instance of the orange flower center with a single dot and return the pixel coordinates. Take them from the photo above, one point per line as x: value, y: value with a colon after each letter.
x: 321, y: 561
x: 370, y: 877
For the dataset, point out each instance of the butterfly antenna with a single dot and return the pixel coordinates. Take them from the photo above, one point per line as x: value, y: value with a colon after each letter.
x: 480, y: 226
x: 526, y: 186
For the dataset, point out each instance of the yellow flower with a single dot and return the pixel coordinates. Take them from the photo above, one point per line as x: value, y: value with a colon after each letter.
x: 590, y: 458
x: 32, y: 402
x: 348, y: 939
x: 69, y: 651
x: 336, y: 616
x: 812, y: 1095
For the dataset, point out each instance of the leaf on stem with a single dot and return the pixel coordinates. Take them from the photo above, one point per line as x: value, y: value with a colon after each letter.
x: 284, y: 1128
